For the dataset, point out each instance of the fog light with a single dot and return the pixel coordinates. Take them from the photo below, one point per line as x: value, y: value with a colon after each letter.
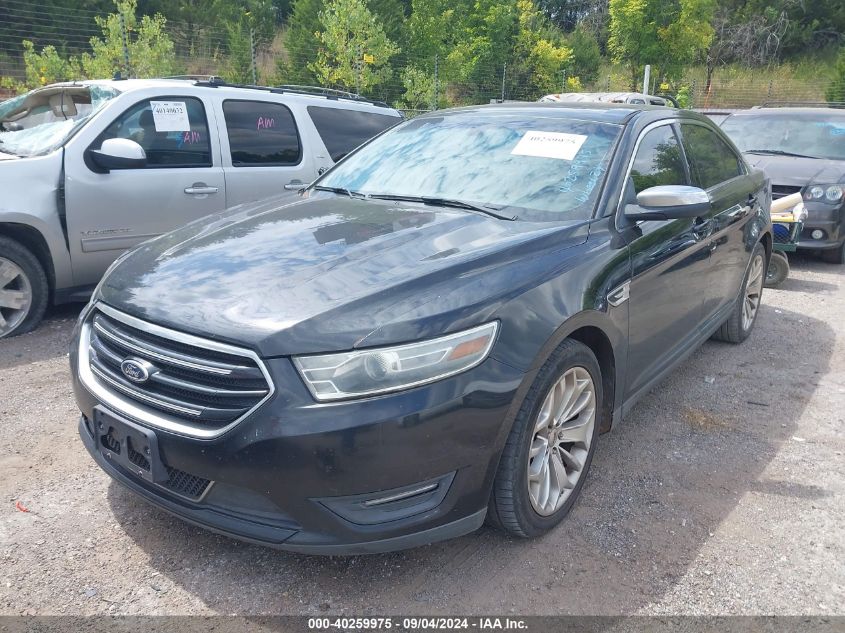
x: 817, y: 234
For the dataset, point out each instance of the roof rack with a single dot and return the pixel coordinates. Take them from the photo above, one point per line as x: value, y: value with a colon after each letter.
x: 317, y: 91
x: 801, y: 104
x: 194, y: 77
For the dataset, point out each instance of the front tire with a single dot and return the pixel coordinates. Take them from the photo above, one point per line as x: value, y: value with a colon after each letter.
x: 744, y: 315
x: 551, y: 445
x: 24, y: 291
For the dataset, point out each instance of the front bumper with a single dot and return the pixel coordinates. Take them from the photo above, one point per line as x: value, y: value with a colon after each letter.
x: 298, y: 475
x: 824, y: 218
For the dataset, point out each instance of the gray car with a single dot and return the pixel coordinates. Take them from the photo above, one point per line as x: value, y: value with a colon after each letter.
x: 91, y: 169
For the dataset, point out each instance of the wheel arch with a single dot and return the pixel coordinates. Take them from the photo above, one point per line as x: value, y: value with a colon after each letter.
x: 35, y: 242
x: 599, y: 343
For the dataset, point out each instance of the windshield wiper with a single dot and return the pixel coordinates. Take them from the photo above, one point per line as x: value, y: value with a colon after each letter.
x: 777, y: 152
x: 342, y: 191
x: 444, y: 202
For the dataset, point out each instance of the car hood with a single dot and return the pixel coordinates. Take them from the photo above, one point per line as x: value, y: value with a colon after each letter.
x: 797, y: 172
x: 323, y: 274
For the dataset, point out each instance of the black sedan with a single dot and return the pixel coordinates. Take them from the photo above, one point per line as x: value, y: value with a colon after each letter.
x: 801, y: 149
x: 435, y: 334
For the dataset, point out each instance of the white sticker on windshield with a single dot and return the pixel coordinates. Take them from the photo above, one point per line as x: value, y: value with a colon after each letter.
x: 549, y: 145
x: 170, y: 116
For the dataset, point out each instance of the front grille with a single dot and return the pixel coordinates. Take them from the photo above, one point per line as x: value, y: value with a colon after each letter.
x: 199, y: 387
x: 781, y: 191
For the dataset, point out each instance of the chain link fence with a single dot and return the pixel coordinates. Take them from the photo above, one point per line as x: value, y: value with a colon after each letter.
x: 234, y: 54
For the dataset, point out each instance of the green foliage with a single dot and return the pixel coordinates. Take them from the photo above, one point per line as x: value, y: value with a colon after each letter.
x: 684, y: 97
x: 47, y: 66
x: 836, y: 90
x: 668, y: 34
x: 355, y: 50
x: 586, y: 54
x: 573, y: 84
x: 419, y: 89
x: 150, y: 48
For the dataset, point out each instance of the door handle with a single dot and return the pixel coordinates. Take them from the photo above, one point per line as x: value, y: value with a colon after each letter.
x: 295, y: 185
x: 200, y: 189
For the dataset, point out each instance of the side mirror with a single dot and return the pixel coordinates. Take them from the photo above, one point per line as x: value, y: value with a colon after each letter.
x: 668, y: 202
x: 119, y: 153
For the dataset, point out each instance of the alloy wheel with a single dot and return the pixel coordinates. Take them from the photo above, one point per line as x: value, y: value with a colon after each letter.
x: 563, y: 431
x: 15, y: 296
x: 753, y: 292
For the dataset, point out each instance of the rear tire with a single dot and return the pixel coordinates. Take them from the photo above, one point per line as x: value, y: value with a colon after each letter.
x: 541, y: 472
x: 835, y: 255
x: 24, y: 291
x: 738, y: 326
x: 778, y: 269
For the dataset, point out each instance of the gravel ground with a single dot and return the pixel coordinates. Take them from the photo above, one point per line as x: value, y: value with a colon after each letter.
x: 722, y: 493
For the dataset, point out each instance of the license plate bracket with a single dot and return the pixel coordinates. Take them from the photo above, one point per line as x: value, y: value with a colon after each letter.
x: 129, y: 445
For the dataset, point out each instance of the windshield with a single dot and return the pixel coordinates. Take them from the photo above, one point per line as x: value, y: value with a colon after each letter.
x: 814, y: 134
x: 542, y: 168
x: 39, y: 121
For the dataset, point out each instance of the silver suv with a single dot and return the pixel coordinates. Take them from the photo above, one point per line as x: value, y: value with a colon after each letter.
x: 90, y: 169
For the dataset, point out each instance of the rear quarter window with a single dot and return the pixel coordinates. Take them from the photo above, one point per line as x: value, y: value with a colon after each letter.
x: 343, y: 130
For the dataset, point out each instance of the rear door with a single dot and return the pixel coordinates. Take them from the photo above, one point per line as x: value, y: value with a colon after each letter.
x: 263, y: 150
x: 718, y: 169
x: 108, y: 213
x: 669, y: 261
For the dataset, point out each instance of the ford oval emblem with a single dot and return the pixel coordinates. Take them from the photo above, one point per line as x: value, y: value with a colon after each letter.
x: 137, y: 370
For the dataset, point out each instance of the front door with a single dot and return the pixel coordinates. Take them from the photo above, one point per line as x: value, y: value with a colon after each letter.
x: 108, y: 213
x: 716, y: 167
x: 669, y: 262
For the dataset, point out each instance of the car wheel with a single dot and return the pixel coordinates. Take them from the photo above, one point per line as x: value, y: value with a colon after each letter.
x: 739, y: 325
x: 23, y: 289
x: 551, y: 444
x: 835, y: 256
x: 778, y: 270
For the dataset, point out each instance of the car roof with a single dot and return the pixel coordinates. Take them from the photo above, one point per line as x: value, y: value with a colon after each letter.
x: 618, y: 113
x: 600, y: 112
x: 165, y: 83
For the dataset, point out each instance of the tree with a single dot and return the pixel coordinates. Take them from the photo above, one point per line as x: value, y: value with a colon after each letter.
x: 302, y: 43
x: 668, y: 34
x: 150, y: 49
x: 586, y: 54
x: 540, y: 51
x: 355, y: 50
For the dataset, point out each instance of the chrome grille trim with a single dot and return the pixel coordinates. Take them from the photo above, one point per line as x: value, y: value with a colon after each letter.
x: 142, y: 396
x: 169, y: 359
x: 116, y: 395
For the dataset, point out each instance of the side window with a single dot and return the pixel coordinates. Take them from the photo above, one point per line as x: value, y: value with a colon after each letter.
x: 711, y: 159
x: 172, y: 130
x: 343, y: 130
x: 261, y: 133
x: 658, y: 160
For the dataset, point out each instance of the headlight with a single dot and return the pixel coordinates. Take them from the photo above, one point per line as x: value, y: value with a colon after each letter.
x: 824, y: 193
x: 379, y: 370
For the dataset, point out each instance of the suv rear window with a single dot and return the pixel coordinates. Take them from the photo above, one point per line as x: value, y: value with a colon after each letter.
x: 344, y: 130
x: 261, y: 133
